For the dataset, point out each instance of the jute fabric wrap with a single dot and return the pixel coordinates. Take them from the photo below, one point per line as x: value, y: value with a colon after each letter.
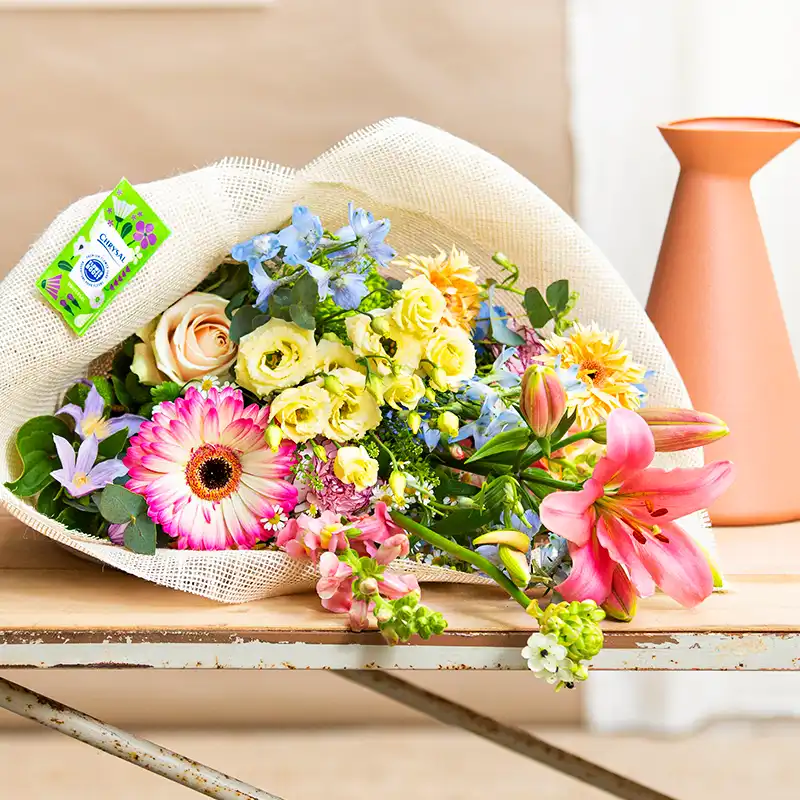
x: 436, y: 189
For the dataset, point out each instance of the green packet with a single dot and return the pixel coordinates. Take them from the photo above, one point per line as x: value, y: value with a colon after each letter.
x: 111, y: 247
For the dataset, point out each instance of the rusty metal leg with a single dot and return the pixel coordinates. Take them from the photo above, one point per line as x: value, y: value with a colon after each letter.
x: 506, y: 736
x: 140, y: 752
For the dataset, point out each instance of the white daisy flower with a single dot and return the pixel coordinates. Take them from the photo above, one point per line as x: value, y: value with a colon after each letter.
x: 276, y: 521
x: 206, y: 384
x: 545, y: 656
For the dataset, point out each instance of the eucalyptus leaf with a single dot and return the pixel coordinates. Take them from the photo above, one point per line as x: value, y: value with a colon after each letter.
x: 244, y: 321
x: 236, y: 280
x: 558, y: 295
x: 140, y: 536
x: 301, y: 316
x: 118, y: 504
x: 113, y: 445
x: 536, y: 308
x: 236, y: 302
x: 507, y: 441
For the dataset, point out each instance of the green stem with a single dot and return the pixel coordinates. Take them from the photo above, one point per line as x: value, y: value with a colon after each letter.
x: 385, y: 449
x: 462, y: 553
x: 576, y: 437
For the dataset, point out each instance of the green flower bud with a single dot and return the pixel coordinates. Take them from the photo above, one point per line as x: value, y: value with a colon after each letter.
x: 438, y: 379
x: 448, y: 424
x: 414, y: 422
x: 319, y: 451
x: 516, y: 564
x: 333, y: 385
x: 381, y: 325
x: 397, y: 483
x: 430, y: 394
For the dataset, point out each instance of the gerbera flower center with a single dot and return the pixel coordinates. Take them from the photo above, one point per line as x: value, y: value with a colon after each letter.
x: 594, y: 371
x: 213, y: 472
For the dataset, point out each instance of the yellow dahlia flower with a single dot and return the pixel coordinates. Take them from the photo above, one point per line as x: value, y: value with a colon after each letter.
x: 455, y: 278
x: 607, y: 376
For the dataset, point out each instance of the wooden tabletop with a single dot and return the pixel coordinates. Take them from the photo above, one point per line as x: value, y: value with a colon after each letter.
x: 50, y: 597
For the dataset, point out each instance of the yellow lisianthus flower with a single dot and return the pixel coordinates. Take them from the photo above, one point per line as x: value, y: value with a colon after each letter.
x: 333, y: 354
x: 608, y: 375
x: 276, y: 355
x: 353, y: 411
x: 301, y: 411
x: 419, y: 307
x: 451, y: 350
x: 396, y: 345
x: 356, y: 466
x: 404, y: 389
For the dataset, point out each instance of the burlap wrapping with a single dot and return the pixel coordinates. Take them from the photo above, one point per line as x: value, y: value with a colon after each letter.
x: 437, y: 190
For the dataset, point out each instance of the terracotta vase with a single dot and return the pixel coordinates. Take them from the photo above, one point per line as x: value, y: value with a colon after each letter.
x: 715, y: 304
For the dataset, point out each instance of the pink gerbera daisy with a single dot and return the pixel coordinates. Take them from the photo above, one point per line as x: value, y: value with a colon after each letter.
x: 207, y: 474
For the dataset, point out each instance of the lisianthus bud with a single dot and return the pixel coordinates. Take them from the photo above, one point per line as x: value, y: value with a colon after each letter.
x: 448, y: 423
x: 380, y: 325
x: 621, y: 602
x: 397, y: 483
x: 676, y: 429
x: 430, y: 394
x: 542, y: 400
x: 274, y: 437
x: 516, y: 564
x: 319, y: 451
x: 414, y: 421
x: 438, y: 379
x: 333, y: 385
x: 374, y: 386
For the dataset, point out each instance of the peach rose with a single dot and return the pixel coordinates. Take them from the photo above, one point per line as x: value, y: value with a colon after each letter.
x: 189, y: 340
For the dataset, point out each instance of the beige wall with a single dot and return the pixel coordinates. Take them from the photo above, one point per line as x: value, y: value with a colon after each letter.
x: 80, y: 109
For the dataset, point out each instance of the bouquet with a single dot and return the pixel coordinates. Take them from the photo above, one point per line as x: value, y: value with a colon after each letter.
x: 319, y: 395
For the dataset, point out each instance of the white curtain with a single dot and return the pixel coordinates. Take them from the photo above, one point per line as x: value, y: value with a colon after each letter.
x: 634, y: 65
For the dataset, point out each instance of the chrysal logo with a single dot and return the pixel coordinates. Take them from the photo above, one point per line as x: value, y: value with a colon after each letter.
x: 113, y: 249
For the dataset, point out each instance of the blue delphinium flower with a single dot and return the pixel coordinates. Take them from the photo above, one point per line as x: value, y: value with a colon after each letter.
x: 349, y: 289
x: 367, y: 235
x: 263, y: 284
x: 257, y: 250
x: 495, y: 417
x: 301, y: 238
x: 483, y: 323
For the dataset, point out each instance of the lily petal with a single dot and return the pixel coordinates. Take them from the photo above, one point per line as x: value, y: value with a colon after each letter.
x: 656, y: 496
x: 571, y: 514
x: 630, y: 447
x: 616, y: 537
x: 592, y: 571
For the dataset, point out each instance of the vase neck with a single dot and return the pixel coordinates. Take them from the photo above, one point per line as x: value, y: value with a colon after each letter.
x: 727, y: 151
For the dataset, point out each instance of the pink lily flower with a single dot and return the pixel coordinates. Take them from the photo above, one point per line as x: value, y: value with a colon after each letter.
x: 625, y: 514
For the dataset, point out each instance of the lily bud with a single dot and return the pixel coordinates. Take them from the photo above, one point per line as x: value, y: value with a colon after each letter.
x: 274, y: 437
x: 438, y: 379
x: 676, y: 429
x: 542, y: 400
x: 448, y: 424
x: 333, y: 385
x: 414, y: 421
x: 517, y: 540
x: 516, y: 564
x: 380, y: 325
x: 621, y: 602
x: 397, y: 483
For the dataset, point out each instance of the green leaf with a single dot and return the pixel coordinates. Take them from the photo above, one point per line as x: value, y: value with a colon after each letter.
x: 558, y: 295
x: 118, y: 504
x: 140, y: 536
x: 303, y: 317
x: 245, y: 320
x: 563, y: 426
x: 104, y: 389
x: 121, y: 365
x: 168, y: 390
x: 237, y: 301
x: 394, y: 284
x: 304, y: 299
x: 77, y: 394
x: 65, y: 265
x: 536, y: 308
x: 45, y: 424
x: 513, y: 440
x: 451, y: 487
x: 237, y: 279
x: 123, y: 395
x: 146, y: 409
x: 462, y: 522
x: 113, y: 445
x: 136, y: 389
x: 49, y: 501
x: 126, y: 229
x: 36, y: 474
x: 78, y: 520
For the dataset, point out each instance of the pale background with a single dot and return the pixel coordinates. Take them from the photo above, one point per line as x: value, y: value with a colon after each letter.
x: 87, y: 97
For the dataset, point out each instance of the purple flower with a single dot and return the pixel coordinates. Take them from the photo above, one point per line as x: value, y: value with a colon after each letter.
x: 82, y: 476
x: 341, y: 498
x: 301, y: 238
x: 367, y: 235
x: 116, y: 532
x: 144, y: 234
x: 264, y: 285
x: 89, y: 420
